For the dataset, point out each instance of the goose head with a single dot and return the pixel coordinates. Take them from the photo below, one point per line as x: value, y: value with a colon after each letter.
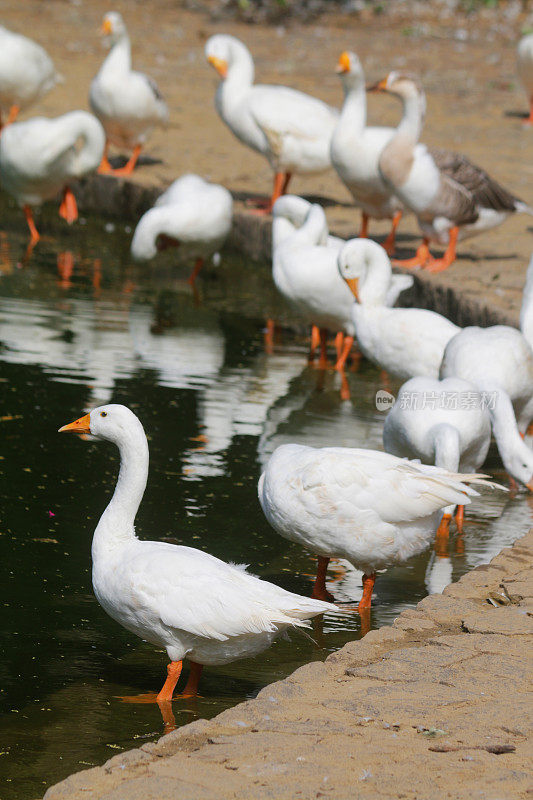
x: 223, y: 52
x: 518, y: 461
x: 365, y: 266
x: 113, y: 27
x: 157, y: 230
x: 404, y: 86
x: 350, y: 70
x: 113, y: 422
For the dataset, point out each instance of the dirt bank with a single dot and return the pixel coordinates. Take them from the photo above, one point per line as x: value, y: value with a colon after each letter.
x: 435, y: 706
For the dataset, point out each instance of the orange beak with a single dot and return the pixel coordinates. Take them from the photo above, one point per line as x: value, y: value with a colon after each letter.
x: 353, y: 283
x: 219, y: 64
x: 81, y: 425
x: 530, y: 485
x: 343, y: 64
x: 106, y: 28
x: 380, y: 86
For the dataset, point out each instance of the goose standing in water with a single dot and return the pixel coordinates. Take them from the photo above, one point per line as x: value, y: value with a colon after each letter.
x: 525, y: 70
x: 192, y: 213
x: 444, y: 423
x: 451, y: 197
x: 291, y: 129
x: 403, y: 341
x: 27, y: 73
x: 371, y: 508
x: 39, y: 157
x: 179, y: 598
x: 499, y: 362
x: 128, y: 104
x: 355, y: 151
x: 304, y: 269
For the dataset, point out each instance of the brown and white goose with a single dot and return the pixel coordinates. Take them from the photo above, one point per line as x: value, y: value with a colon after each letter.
x: 451, y: 197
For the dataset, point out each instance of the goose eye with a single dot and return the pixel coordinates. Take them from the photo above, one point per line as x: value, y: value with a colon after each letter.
x: 103, y: 413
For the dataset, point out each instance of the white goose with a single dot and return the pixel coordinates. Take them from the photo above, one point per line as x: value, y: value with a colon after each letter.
x: 26, y: 73
x: 304, y: 269
x: 128, y: 104
x: 451, y: 197
x: 355, y: 150
x: 499, y: 362
x: 525, y: 70
x: 192, y: 213
x: 40, y: 156
x: 177, y: 597
x: 371, y: 508
x: 403, y: 341
x: 290, y: 128
x: 444, y: 423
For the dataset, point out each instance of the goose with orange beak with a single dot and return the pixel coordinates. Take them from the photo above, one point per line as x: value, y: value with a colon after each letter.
x: 291, y: 129
x: 355, y: 150
x: 190, y: 603
x: 403, y: 341
x: 451, y: 197
x: 128, y: 104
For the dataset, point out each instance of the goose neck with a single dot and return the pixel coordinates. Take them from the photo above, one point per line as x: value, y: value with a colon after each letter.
x: 447, y: 451
x: 353, y: 112
x: 116, y: 524
x: 118, y: 61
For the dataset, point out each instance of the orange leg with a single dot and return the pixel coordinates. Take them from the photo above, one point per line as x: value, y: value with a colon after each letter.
x: 105, y: 166
x: 31, y: 225
x: 459, y: 518
x: 191, y: 687
x: 420, y: 260
x: 286, y: 181
x: 319, y: 586
x: 169, y: 720
x: 345, y: 386
x: 339, y: 341
x: 65, y: 268
x: 196, y: 270
x: 68, y: 208
x: 341, y: 361
x: 13, y: 114
x: 440, y: 264
x: 363, y: 233
x: 443, y: 531
x: 389, y: 244
x: 323, y: 360
x: 173, y: 674
x: 270, y: 329
x: 128, y: 168
x: 315, y: 341
x: 368, y: 587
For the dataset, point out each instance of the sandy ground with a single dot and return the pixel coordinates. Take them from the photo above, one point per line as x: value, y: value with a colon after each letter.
x: 434, y: 707
x: 467, y: 66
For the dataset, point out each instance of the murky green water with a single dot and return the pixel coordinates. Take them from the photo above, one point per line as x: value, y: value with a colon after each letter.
x: 80, y: 325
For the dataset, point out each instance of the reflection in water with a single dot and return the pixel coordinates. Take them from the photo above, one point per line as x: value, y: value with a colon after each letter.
x: 79, y: 326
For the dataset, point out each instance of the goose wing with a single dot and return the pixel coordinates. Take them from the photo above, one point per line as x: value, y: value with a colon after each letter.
x: 485, y: 191
x: 281, y: 111
x: 193, y: 591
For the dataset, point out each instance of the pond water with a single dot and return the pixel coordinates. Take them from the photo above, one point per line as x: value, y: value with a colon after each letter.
x: 80, y: 325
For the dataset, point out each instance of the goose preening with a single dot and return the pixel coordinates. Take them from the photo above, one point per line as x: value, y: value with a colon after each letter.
x: 444, y: 423
x: 304, y: 269
x: 524, y: 66
x: 26, y: 73
x: 451, y: 197
x: 291, y: 129
x: 193, y: 214
x: 355, y: 150
x: 403, y: 341
x: 39, y: 157
x: 176, y: 597
x: 128, y: 104
x: 499, y: 362
x: 371, y: 508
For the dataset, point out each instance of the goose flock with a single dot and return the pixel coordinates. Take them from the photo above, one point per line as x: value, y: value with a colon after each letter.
x: 372, y: 508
